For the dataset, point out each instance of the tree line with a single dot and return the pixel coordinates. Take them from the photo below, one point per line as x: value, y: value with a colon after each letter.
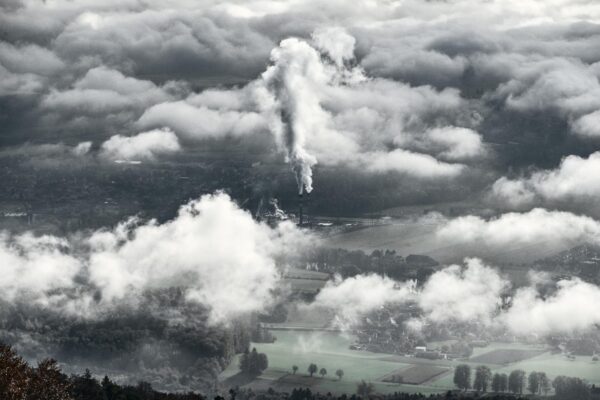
x: 313, y: 368
x: 517, y: 382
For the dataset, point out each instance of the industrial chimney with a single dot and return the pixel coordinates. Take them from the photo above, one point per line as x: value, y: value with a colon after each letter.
x: 301, y: 210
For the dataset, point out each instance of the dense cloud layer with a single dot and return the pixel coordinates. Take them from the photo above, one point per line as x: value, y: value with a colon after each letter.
x: 385, y: 87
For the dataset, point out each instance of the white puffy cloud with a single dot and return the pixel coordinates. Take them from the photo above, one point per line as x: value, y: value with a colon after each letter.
x: 572, y: 308
x: 456, y: 143
x: 528, y: 228
x: 463, y: 293
x: 35, y: 265
x: 574, y: 179
x: 414, y: 164
x: 512, y: 193
x: 354, y: 297
x: 82, y: 148
x: 560, y: 85
x: 215, y: 251
x: 588, y: 125
x: 471, y: 293
x: 144, y: 145
x: 200, y: 122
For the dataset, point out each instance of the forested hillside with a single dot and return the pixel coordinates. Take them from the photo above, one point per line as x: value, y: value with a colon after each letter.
x: 163, y: 341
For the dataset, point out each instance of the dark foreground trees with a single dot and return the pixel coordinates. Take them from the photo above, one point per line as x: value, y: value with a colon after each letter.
x: 18, y: 381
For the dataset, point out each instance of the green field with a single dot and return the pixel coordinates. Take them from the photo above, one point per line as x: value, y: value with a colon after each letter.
x: 416, y: 374
x: 330, y: 350
x: 506, y: 356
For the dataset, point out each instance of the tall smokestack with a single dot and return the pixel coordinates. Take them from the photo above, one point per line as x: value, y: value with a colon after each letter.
x: 301, y: 210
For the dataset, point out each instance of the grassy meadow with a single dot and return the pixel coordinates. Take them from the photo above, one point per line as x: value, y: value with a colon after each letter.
x: 330, y: 350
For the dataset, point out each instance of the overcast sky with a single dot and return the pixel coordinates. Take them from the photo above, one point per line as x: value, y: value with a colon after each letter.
x: 502, y: 95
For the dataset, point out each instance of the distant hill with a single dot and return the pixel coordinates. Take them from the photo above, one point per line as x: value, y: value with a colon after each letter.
x: 582, y: 261
x: 585, y: 254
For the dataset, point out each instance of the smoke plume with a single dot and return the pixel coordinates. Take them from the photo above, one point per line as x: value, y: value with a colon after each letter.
x: 294, y: 82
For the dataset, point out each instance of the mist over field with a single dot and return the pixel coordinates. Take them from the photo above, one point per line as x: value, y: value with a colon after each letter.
x: 299, y: 199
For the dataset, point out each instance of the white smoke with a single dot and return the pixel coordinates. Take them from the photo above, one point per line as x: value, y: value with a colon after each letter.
x: 215, y: 251
x: 294, y: 83
x: 336, y: 43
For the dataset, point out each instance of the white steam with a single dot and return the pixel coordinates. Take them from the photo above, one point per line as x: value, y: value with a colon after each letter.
x: 296, y: 69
